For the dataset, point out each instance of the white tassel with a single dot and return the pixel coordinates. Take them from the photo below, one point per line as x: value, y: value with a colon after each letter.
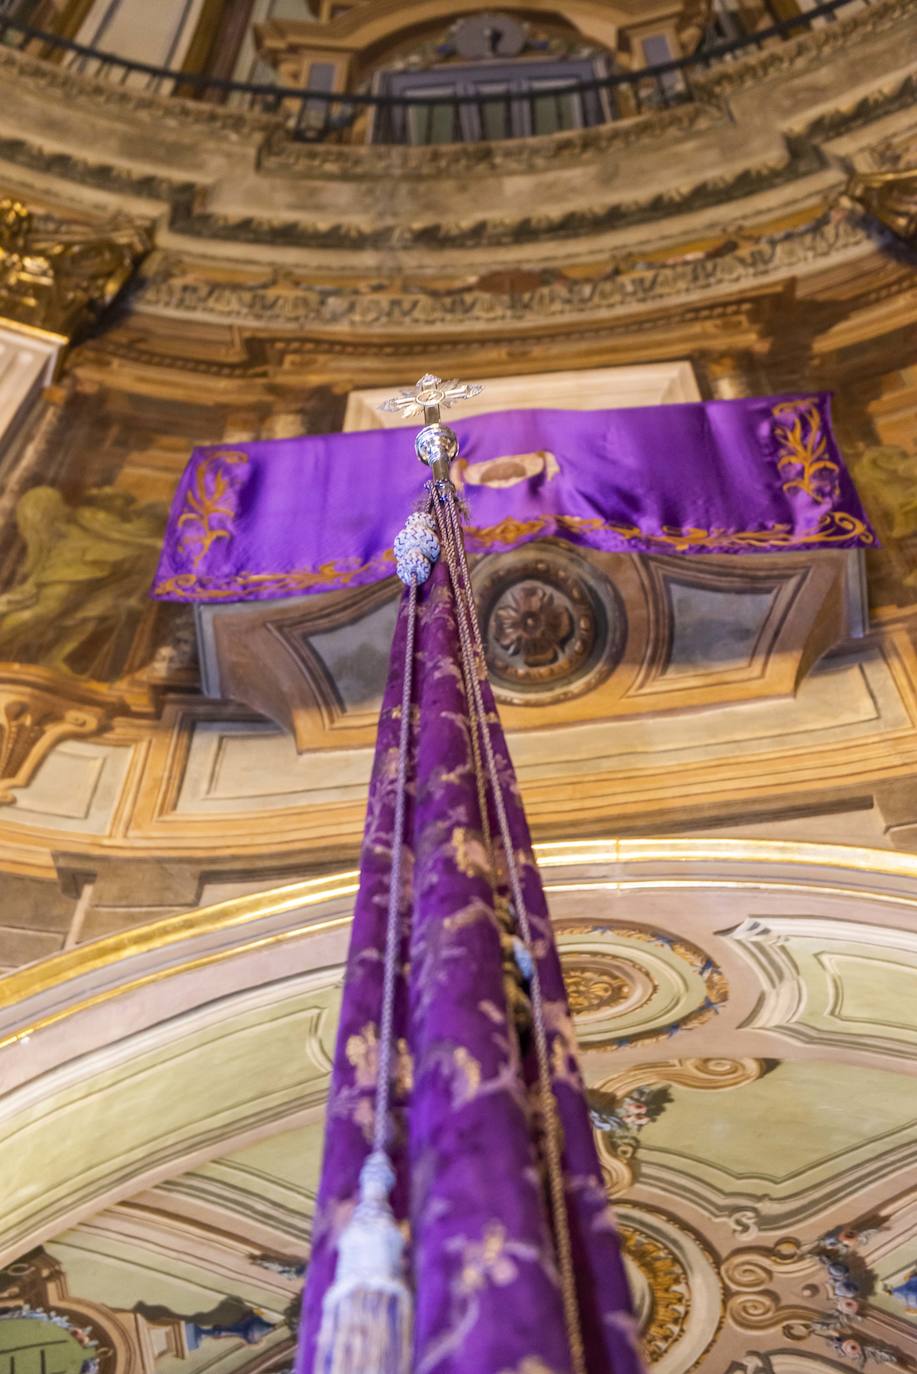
x: 366, y: 1313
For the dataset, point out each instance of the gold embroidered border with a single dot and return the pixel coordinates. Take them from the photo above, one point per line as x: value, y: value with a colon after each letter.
x: 834, y: 527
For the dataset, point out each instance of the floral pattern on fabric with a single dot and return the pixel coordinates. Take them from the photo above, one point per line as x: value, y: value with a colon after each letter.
x: 465, y: 1140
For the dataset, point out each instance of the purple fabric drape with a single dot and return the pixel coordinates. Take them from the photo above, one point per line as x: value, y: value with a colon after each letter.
x: 289, y: 516
x: 466, y: 1145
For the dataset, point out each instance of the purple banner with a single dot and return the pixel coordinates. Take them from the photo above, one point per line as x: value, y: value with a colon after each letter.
x: 284, y: 517
x: 466, y: 1139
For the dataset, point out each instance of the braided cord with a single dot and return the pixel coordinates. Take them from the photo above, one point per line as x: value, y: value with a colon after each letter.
x: 393, y: 924
x: 453, y: 544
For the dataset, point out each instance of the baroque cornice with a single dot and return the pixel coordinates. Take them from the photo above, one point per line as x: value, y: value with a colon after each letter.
x: 282, y: 154
x: 65, y: 84
x: 277, y: 300
x: 797, y: 160
x: 103, y: 176
x: 800, y: 54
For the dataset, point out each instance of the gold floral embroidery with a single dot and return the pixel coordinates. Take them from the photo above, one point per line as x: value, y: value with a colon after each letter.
x: 469, y: 852
x: 834, y: 527
x: 804, y: 446
x: 191, y: 587
x: 208, y: 496
x: 488, y: 1260
x: 362, y: 1052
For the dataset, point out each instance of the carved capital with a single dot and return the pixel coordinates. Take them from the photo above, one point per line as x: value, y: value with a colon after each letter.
x: 54, y: 277
x: 890, y: 197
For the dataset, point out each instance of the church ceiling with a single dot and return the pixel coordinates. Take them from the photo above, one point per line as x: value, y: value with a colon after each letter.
x: 187, y: 1226
x: 741, y: 955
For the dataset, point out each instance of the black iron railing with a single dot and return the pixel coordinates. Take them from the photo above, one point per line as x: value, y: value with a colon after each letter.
x: 382, y: 117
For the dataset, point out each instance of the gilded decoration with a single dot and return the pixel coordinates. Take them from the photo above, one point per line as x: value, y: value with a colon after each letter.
x: 890, y: 197
x: 715, y: 986
x: 36, y: 717
x: 667, y: 1285
x: 593, y: 988
x: 210, y: 499
x: 803, y: 451
x: 56, y: 281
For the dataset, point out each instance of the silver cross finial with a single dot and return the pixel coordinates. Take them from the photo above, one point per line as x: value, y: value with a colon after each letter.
x: 428, y: 396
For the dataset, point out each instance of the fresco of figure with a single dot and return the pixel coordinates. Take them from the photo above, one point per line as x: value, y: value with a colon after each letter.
x: 85, y: 576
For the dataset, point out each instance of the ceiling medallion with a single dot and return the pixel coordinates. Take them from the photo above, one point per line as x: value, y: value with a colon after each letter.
x: 604, y: 988
x: 598, y: 984
x: 550, y: 626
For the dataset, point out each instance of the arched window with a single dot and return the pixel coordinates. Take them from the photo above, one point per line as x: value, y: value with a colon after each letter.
x: 491, y: 76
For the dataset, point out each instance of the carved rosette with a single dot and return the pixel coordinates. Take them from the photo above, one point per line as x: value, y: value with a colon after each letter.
x: 549, y: 627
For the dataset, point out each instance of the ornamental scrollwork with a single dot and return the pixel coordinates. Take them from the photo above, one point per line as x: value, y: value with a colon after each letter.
x: 209, y: 505
x: 803, y: 451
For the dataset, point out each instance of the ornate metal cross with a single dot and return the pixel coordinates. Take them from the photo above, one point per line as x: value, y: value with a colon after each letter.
x: 429, y: 394
x: 436, y: 444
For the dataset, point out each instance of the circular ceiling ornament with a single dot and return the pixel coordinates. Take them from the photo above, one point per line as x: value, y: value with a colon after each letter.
x: 552, y: 626
x: 597, y: 985
x: 480, y: 36
x: 630, y: 984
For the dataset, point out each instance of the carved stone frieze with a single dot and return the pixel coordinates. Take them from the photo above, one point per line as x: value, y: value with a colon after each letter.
x: 810, y: 49
x: 278, y: 297
x: 798, y: 159
x: 281, y: 153
x: 72, y: 87
x: 103, y: 176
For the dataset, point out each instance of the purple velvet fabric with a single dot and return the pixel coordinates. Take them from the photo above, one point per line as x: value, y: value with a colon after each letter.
x: 288, y: 516
x: 466, y: 1148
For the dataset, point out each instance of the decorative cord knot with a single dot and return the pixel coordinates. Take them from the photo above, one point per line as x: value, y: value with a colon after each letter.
x: 416, y: 548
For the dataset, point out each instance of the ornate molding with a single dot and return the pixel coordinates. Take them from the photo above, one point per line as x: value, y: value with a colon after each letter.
x: 800, y: 54
x: 35, y: 719
x: 622, y: 1105
x: 549, y: 626
x: 282, y: 154
x: 103, y: 176
x: 175, y: 286
x: 789, y: 1285
x: 72, y: 88
x: 797, y: 160
x: 889, y: 197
